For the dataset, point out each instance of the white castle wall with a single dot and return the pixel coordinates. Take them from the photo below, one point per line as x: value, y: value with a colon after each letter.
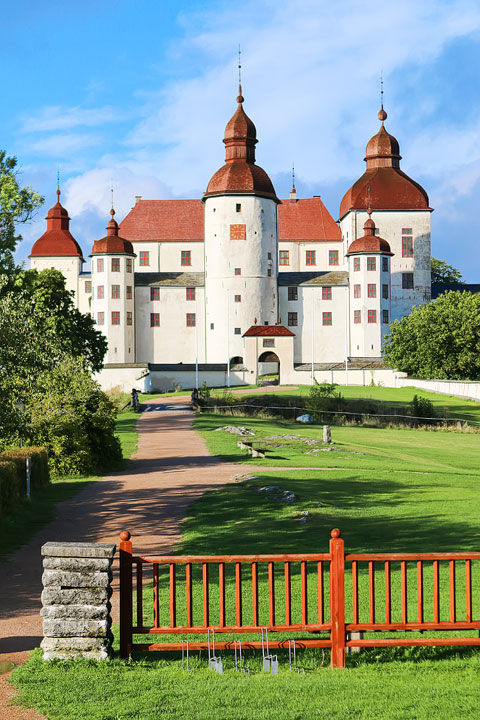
x: 366, y: 339
x: 166, y: 256
x: 297, y: 256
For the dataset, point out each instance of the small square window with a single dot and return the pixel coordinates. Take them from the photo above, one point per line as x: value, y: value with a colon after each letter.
x: 238, y: 207
x: 115, y: 292
x: 311, y: 257
x: 237, y: 331
x: 269, y: 272
x: 88, y: 286
x: 144, y: 257
x: 371, y: 291
x: 129, y: 292
x: 357, y: 317
x: 128, y: 265
x: 333, y: 257
x: 115, y: 317
x: 385, y: 292
x: 407, y: 281
x: 356, y: 264
x: 100, y: 265
x: 385, y: 317
x: 371, y: 263
x: 385, y: 264
x: 238, y: 271
x: 268, y: 342
x: 115, y: 264
x: 100, y: 292
x: 129, y: 318
x: 372, y: 316
x: 406, y: 231
x: 283, y: 257
x: 154, y: 319
x: 326, y: 293
x: 326, y: 318
x: 154, y: 293
x: 100, y: 318
x: 269, y: 256
x: 191, y: 320
x: 212, y: 326
x: 190, y: 293
x: 357, y: 291
x: 238, y: 298
x: 293, y: 293
x: 186, y: 257
x: 292, y: 319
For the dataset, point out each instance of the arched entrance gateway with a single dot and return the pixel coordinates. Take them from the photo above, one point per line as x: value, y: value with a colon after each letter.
x: 269, y: 351
x: 269, y: 368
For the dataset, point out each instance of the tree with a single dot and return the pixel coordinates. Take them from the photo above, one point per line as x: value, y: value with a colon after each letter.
x: 445, y: 274
x: 438, y: 340
x: 17, y: 205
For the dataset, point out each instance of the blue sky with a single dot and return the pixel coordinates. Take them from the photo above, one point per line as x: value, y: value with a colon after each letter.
x: 137, y: 94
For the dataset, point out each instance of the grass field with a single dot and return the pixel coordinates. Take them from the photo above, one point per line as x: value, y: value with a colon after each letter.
x: 388, y: 490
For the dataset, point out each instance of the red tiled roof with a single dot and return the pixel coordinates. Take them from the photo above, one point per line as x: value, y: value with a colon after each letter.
x: 306, y: 220
x: 112, y: 244
x: 162, y: 220
x: 268, y: 331
x: 241, y: 177
x: 57, y: 241
x: 369, y: 243
x: 390, y: 189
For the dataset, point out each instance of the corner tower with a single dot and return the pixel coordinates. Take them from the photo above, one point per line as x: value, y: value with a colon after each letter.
x: 401, y: 214
x: 241, y: 241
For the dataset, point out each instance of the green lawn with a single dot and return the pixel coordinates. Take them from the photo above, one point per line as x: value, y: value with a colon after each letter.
x: 388, y: 490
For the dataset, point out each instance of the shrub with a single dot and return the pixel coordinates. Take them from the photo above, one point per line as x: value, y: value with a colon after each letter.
x: 422, y: 407
x: 9, y: 484
x: 40, y: 473
x: 323, y: 397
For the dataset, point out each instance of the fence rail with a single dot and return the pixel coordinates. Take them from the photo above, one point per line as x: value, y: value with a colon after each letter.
x: 188, y: 587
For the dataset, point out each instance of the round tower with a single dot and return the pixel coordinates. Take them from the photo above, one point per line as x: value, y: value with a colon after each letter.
x: 402, y: 216
x: 58, y: 249
x: 369, y: 259
x: 241, y: 240
x: 113, y: 293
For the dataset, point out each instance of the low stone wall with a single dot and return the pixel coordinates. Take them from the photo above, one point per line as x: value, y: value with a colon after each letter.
x: 457, y: 388
x: 76, y: 600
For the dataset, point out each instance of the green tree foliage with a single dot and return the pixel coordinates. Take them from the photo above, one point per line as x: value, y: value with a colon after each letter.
x: 17, y: 206
x: 323, y: 397
x: 438, y: 340
x: 444, y: 274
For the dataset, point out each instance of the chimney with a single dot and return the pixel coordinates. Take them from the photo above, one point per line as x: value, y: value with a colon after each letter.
x: 137, y: 198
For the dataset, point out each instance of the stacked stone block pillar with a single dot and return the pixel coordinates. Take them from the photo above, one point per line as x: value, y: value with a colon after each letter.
x: 76, y: 600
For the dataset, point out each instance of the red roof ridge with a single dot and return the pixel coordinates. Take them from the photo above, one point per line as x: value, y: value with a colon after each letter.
x: 266, y: 330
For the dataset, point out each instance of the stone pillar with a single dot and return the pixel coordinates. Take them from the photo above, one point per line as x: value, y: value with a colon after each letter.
x: 327, y: 434
x: 76, y: 600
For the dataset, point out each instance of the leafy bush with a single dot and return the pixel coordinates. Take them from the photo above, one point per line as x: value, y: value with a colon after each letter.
x: 204, y: 393
x: 421, y: 407
x: 9, y: 485
x: 40, y: 473
x: 324, y: 397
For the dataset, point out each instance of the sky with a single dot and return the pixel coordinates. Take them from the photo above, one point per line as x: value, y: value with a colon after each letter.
x: 136, y: 95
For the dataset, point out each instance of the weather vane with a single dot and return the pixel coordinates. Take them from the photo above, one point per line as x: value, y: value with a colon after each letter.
x: 239, y: 65
x: 381, y: 88
x: 293, y: 174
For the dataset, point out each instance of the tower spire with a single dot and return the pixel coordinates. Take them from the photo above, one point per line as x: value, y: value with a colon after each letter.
x: 293, y: 193
x: 382, y: 115
x: 58, y: 184
x: 240, y: 97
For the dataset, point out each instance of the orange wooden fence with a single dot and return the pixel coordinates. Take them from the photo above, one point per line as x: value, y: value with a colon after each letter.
x: 329, y: 617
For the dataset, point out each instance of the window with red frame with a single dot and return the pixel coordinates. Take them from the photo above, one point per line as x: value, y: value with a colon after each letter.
x: 293, y: 293
x: 144, y: 257
x: 238, y: 271
x: 100, y: 265
x: 371, y: 290
x: 191, y: 320
x: 154, y: 319
x: 190, y: 293
x: 292, y: 319
x: 115, y: 292
x: 407, y: 281
x: 100, y: 292
x: 238, y: 298
x: 385, y: 317
x: 115, y: 317
x: 385, y: 292
x: 186, y: 257
x: 372, y: 316
x: 357, y: 317
x: 284, y: 257
x: 371, y: 263
x: 357, y: 291
x: 129, y: 292
x: 333, y: 257
x: 88, y: 286
x: 326, y: 293
x: 385, y: 264
x: 101, y: 318
x: 311, y: 257
x: 356, y: 264
x: 115, y: 264
x: 326, y: 318
x: 407, y: 242
x: 129, y: 318
x: 154, y: 293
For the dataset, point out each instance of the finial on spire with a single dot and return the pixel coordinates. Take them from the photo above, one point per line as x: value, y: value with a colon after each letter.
x: 369, y: 208
x: 240, y: 97
x: 111, y: 190
x: 58, y: 184
x: 293, y: 176
x: 382, y: 115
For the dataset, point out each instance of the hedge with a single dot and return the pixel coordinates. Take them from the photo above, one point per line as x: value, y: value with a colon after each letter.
x: 13, y: 490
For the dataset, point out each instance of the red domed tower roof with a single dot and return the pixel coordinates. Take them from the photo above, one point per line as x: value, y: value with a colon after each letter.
x: 111, y: 244
x: 240, y: 175
x: 369, y: 243
x: 390, y: 188
x: 57, y: 241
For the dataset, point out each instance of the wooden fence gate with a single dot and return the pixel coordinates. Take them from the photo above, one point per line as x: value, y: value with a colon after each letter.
x: 233, y: 594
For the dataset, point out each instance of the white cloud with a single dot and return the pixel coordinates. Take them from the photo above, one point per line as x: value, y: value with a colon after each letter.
x: 63, y: 145
x: 57, y: 117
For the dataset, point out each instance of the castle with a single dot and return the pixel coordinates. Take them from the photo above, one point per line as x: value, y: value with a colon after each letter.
x: 242, y: 283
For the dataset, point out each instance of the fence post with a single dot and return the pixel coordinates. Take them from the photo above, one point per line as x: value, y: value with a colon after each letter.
x: 337, y: 598
x: 126, y: 607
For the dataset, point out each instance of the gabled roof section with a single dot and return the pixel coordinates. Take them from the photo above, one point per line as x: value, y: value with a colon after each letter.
x: 306, y: 220
x: 173, y: 279
x: 163, y: 221
x: 268, y: 331
x: 338, y: 277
